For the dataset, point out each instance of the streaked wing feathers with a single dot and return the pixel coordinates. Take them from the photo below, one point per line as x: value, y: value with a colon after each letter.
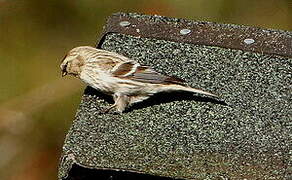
x: 151, y: 76
x: 124, y: 68
x: 136, y: 72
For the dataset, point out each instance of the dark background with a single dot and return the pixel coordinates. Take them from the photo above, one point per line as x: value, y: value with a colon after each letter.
x: 37, y: 106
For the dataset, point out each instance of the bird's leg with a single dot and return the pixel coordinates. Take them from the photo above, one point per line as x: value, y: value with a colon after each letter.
x: 106, y: 110
x: 121, y: 102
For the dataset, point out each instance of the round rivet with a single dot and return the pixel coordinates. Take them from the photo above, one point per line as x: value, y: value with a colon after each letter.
x: 125, y: 23
x: 249, y: 41
x: 185, y: 31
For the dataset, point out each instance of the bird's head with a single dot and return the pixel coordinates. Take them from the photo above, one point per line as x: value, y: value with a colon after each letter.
x: 73, y: 62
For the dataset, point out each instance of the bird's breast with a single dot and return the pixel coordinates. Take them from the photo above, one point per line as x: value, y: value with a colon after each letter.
x: 99, y: 81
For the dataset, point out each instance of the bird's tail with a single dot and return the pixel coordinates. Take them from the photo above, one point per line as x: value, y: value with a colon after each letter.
x: 175, y: 87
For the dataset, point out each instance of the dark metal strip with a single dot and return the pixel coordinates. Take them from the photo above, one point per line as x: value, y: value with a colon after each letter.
x: 202, y: 33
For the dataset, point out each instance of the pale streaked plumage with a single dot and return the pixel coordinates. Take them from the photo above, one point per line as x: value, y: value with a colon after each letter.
x: 125, y: 79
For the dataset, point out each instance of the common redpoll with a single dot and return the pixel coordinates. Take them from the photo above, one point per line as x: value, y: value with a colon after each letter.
x: 123, y: 78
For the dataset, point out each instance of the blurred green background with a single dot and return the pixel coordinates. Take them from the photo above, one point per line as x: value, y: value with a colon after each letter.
x: 37, y: 106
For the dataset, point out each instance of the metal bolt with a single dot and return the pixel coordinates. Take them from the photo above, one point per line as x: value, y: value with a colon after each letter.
x: 249, y: 41
x: 185, y: 31
x: 125, y: 23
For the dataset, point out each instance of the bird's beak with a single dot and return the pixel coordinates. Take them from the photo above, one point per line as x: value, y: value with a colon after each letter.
x: 64, y: 70
x: 64, y: 73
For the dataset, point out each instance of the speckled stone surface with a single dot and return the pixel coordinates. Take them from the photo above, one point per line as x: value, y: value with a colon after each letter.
x: 192, y: 137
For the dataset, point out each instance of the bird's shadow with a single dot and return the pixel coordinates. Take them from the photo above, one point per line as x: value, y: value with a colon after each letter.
x: 157, y: 99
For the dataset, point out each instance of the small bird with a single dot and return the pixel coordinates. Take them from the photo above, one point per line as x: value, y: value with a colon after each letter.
x: 121, y: 77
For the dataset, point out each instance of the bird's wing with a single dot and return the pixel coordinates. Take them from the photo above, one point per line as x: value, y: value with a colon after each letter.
x: 105, y: 60
x: 134, y: 71
x: 110, y: 55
